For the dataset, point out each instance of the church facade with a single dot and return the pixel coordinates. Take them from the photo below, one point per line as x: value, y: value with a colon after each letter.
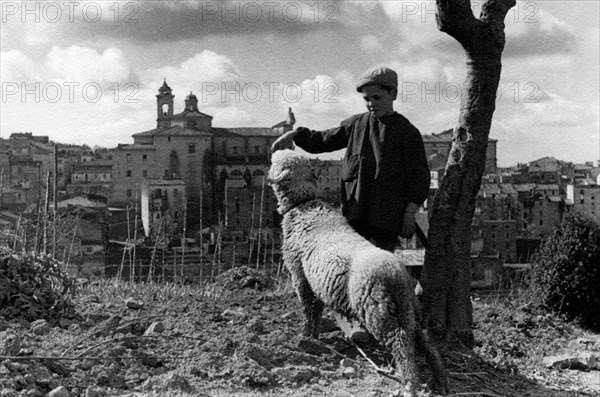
x: 212, y: 163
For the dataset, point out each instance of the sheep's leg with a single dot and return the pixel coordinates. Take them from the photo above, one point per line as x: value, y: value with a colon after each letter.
x: 315, y: 317
x: 313, y: 306
x: 386, y: 328
x: 400, y: 342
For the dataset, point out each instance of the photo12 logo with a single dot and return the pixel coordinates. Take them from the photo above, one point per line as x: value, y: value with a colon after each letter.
x: 452, y: 92
x: 54, y: 92
x: 69, y: 11
x: 424, y: 11
x: 253, y: 92
x: 269, y: 11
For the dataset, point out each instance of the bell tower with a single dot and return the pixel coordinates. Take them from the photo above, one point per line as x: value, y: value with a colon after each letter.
x: 191, y: 103
x: 164, y: 106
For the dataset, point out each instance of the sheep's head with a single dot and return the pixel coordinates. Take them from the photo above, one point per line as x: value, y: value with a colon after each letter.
x: 291, y: 178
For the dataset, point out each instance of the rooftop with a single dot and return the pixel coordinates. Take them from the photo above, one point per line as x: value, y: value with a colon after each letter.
x: 134, y: 146
x: 444, y: 136
x: 187, y: 113
x: 172, y: 131
x: 247, y: 131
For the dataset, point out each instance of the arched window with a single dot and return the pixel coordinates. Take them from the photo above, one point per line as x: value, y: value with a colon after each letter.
x: 257, y: 177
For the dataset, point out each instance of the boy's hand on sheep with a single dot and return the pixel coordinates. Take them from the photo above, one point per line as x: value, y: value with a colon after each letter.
x: 285, y: 141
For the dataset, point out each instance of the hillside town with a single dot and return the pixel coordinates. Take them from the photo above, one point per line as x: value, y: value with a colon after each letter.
x: 187, y: 194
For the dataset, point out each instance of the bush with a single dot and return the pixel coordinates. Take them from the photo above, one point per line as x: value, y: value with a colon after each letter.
x: 34, y: 287
x: 566, y: 271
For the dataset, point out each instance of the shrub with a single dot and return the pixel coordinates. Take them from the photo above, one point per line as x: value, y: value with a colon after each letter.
x: 34, y: 287
x: 566, y: 271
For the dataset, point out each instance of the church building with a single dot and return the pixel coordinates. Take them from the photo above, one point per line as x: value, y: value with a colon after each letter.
x: 188, y: 150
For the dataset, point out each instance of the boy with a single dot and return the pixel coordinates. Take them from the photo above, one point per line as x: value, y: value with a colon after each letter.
x: 385, y: 175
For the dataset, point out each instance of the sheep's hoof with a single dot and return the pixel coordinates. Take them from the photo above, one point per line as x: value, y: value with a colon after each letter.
x: 353, y: 330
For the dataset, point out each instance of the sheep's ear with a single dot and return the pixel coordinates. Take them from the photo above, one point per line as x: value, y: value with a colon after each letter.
x: 283, y: 204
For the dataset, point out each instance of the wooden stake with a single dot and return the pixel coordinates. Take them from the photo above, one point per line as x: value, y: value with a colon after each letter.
x: 183, y: 240
x: 262, y: 198
x: 132, y: 273
x: 46, y: 209
x: 251, y: 236
x: 201, y: 235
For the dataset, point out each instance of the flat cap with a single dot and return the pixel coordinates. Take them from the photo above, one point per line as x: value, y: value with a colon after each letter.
x: 381, y: 75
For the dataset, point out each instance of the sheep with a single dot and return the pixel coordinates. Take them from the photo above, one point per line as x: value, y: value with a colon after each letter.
x: 331, y: 265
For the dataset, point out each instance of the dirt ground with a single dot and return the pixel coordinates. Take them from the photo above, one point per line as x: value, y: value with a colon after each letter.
x: 240, y: 343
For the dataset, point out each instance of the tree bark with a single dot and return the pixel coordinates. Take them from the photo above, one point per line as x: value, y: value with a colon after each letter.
x: 447, y: 273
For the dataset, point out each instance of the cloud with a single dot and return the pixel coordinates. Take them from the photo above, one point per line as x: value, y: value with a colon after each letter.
x: 73, y: 64
x: 325, y: 100
x: 555, y: 126
x: 231, y: 116
x: 370, y: 43
x: 82, y: 64
x: 420, y: 71
x: 16, y: 67
x: 537, y: 33
x: 172, y: 21
x: 208, y: 74
x: 530, y: 32
x: 560, y: 111
x: 206, y: 65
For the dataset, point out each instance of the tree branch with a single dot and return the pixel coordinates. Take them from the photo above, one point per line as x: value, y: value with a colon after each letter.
x: 494, y: 11
x: 455, y: 18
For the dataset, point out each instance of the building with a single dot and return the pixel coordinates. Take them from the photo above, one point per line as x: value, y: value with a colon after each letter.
x: 437, y: 149
x: 552, y: 189
x: 91, y: 177
x: 497, y: 201
x: 543, y: 214
x: 4, y: 161
x: 27, y: 160
x: 585, y: 199
x: 214, y: 163
x: 499, y: 238
x: 68, y: 157
x: 26, y: 175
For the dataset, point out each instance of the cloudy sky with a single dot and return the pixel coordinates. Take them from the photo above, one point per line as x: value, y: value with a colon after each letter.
x: 88, y: 72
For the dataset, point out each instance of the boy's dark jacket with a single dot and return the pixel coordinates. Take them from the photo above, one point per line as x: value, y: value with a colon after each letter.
x: 393, y: 168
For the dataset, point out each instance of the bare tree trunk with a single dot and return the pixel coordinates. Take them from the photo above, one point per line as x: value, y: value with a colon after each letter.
x: 54, y: 200
x: 447, y: 274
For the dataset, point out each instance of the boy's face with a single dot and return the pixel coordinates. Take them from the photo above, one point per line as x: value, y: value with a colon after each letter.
x: 379, y: 101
